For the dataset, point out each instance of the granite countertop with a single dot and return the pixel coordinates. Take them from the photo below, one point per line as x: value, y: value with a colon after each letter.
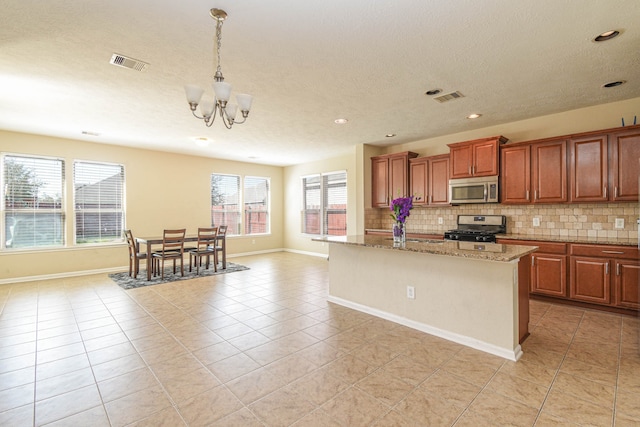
x: 572, y: 239
x: 483, y: 251
x: 558, y: 239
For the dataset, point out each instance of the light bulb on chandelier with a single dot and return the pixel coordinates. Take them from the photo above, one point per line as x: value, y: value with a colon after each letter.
x: 222, y: 90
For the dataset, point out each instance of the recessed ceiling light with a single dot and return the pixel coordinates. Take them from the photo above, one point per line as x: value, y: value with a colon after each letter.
x: 340, y: 121
x: 607, y: 35
x: 614, y: 84
x: 390, y: 135
x: 433, y: 92
x: 90, y: 133
x: 473, y: 116
x: 201, y: 141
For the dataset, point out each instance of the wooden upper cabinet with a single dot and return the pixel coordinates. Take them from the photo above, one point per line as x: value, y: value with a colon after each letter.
x: 389, y: 177
x: 379, y: 181
x: 624, y: 166
x: 479, y: 157
x: 515, y: 174
x: 589, y: 169
x: 419, y: 180
x: 439, y: 180
x: 549, y: 171
x: 429, y: 180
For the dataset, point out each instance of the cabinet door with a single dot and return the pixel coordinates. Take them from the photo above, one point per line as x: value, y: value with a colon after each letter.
x: 549, y: 274
x: 418, y: 177
x: 439, y: 180
x: 590, y: 279
x: 461, y: 161
x: 515, y: 175
x: 398, y: 177
x: 485, y: 158
x: 627, y: 284
x: 549, y: 171
x: 589, y: 169
x: 379, y: 182
x: 625, y: 158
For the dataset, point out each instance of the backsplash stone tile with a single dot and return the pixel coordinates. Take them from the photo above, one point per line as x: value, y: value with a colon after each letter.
x: 576, y: 220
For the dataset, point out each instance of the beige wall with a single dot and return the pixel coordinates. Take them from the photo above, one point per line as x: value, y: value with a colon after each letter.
x: 293, y: 238
x: 163, y: 190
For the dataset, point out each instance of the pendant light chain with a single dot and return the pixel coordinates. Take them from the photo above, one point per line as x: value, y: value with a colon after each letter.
x: 218, y: 46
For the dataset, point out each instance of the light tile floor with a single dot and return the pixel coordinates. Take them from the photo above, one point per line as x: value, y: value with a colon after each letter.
x: 263, y: 347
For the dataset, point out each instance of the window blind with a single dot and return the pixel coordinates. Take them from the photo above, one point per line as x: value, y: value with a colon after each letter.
x: 256, y: 205
x: 225, y: 202
x: 98, y: 202
x: 33, y: 209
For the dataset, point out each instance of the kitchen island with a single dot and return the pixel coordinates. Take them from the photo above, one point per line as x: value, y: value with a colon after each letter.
x: 461, y: 291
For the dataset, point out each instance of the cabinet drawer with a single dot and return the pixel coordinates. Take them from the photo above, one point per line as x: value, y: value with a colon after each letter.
x: 543, y: 247
x: 606, y: 251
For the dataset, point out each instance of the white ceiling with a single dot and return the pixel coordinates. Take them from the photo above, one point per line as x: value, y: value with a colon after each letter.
x: 307, y: 63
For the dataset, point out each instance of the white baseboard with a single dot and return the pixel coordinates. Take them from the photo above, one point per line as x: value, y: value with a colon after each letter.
x: 63, y: 275
x: 316, y: 254
x: 123, y: 268
x: 450, y: 336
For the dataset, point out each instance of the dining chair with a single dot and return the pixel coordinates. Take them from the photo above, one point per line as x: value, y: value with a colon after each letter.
x: 222, y: 247
x: 172, y: 248
x: 134, y: 254
x: 205, y: 248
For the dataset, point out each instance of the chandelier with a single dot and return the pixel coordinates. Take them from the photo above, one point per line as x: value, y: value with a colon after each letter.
x: 222, y: 90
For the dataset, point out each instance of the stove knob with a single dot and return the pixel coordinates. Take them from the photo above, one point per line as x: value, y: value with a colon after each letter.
x: 479, y: 239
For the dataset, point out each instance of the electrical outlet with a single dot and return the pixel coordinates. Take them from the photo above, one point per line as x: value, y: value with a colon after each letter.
x: 440, y: 221
x: 536, y: 222
x: 619, y: 222
x: 411, y: 292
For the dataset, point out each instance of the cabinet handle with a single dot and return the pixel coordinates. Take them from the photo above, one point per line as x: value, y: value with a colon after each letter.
x: 617, y: 269
x: 606, y: 269
x: 613, y: 252
x: 533, y: 261
x: 470, y: 170
x: 527, y: 194
x: 430, y: 199
x: 605, y: 191
x: 535, y: 194
x: 615, y: 192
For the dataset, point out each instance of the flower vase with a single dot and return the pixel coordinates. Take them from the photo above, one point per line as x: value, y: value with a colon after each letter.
x: 399, y: 234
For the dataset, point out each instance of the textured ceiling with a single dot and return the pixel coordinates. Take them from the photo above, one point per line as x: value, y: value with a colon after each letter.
x: 307, y: 63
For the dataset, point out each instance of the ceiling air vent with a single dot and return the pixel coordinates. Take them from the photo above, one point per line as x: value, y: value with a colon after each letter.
x: 449, y: 97
x: 123, y: 61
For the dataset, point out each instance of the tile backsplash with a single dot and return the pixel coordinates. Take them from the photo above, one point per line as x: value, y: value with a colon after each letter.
x: 575, y: 220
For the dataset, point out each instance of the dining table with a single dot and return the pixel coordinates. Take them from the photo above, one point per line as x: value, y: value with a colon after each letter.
x: 149, y: 242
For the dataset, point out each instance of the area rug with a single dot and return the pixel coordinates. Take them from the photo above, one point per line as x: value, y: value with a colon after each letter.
x: 124, y: 281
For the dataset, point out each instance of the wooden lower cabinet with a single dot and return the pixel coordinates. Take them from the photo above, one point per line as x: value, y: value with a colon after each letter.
x: 549, y: 274
x: 604, y: 275
x: 626, y: 288
x: 590, y: 280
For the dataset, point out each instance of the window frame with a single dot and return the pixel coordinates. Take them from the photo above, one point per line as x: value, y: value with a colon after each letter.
x: 118, y: 238
x: 230, y: 230
x: 244, y: 204
x: 59, y: 211
x: 323, y: 210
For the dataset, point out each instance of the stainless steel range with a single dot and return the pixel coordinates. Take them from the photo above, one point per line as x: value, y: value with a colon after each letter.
x: 478, y: 228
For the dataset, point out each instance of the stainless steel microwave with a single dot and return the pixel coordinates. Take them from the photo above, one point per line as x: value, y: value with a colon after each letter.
x: 473, y: 190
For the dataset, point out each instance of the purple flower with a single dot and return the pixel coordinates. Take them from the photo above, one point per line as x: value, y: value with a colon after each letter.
x: 401, y: 208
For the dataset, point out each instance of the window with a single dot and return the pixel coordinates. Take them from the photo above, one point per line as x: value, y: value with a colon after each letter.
x: 33, y: 208
x: 256, y: 205
x: 225, y: 202
x: 324, y: 199
x: 99, y: 202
